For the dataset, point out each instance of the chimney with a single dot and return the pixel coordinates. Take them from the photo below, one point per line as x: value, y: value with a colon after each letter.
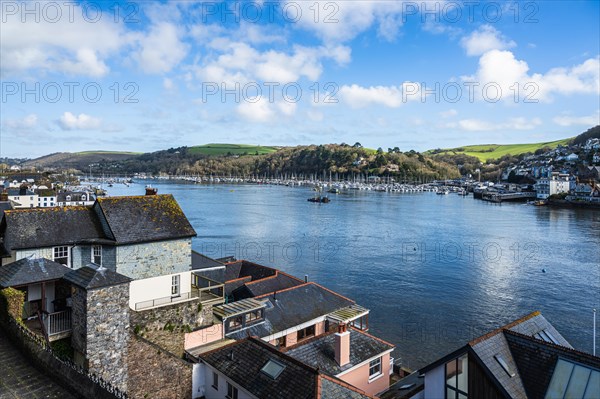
x: 306, y: 278
x: 151, y: 190
x: 23, y: 190
x: 342, y: 345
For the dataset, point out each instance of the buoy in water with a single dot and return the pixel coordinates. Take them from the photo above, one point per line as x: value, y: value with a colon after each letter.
x: 543, y: 270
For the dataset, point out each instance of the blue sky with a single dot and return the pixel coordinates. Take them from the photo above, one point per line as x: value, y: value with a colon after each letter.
x: 144, y: 76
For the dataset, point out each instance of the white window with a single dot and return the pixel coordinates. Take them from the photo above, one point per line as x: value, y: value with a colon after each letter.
x: 97, y: 254
x: 62, y: 255
x: 232, y: 392
x: 175, y: 285
x: 375, y: 368
x: 215, y: 383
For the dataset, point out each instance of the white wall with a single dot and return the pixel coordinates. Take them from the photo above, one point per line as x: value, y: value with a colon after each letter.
x: 157, y: 287
x: 198, y: 379
x: 435, y: 383
x: 211, y: 393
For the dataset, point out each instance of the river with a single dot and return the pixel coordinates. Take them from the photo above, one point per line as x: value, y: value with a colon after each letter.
x: 435, y: 270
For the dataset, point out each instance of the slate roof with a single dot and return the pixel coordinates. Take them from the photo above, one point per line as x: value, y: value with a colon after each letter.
x: 536, y: 362
x: 92, y: 277
x: 278, y: 282
x: 144, y: 218
x: 244, y: 268
x: 319, y: 352
x: 241, y: 362
x: 200, y: 261
x: 406, y: 387
x: 47, y: 227
x: 486, y: 347
x: 30, y: 271
x: 292, y: 307
x: 5, y: 206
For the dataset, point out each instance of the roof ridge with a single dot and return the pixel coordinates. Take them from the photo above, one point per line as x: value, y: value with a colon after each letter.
x: 346, y: 385
x: 50, y: 208
x: 333, y: 292
x: 261, y: 279
x: 100, y: 198
x: 291, y: 276
x: 505, y: 327
x: 552, y: 344
x: 284, y: 290
x: 372, y: 336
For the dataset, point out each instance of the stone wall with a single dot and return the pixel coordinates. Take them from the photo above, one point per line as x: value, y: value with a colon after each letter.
x: 155, y: 373
x: 191, y: 314
x: 153, y: 259
x: 107, y: 333
x: 79, y: 324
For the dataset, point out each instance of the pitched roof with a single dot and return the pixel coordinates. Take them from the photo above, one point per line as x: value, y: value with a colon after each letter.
x: 536, y: 361
x: 47, y: 227
x: 144, y: 218
x: 278, y: 282
x: 200, y: 261
x: 242, y: 363
x: 293, y: 306
x: 244, y: 268
x: 319, y: 352
x: 487, y: 348
x: 93, y: 277
x: 30, y: 271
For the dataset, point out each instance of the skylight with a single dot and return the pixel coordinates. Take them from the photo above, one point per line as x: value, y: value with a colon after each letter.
x: 504, y: 365
x: 545, y: 335
x: 273, y: 369
x: 573, y: 380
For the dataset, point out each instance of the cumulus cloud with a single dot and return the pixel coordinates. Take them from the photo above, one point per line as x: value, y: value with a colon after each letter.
x: 567, y: 120
x: 449, y: 113
x: 161, y: 48
x: 484, y: 39
x: 390, y: 96
x: 503, y: 70
x: 256, y: 110
x: 69, y: 121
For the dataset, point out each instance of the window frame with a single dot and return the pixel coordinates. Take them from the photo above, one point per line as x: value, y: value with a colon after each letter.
x: 175, y: 285
x: 253, y: 316
x: 375, y: 363
x: 305, y: 332
x: 93, y: 252
x: 232, y: 392
x: 234, y: 326
x: 456, y: 391
x: 64, y: 250
x: 215, y: 382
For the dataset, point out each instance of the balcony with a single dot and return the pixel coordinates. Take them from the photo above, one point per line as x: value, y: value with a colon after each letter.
x: 206, y: 290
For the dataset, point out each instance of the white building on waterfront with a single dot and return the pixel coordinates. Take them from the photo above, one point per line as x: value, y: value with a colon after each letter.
x: 556, y: 183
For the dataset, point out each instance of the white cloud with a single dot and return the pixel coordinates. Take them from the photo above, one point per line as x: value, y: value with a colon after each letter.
x: 501, y: 69
x: 449, y: 113
x: 168, y: 84
x: 68, y: 121
x: 478, y: 125
x: 390, y: 96
x: 484, y: 39
x: 161, y: 49
x: 28, y: 122
x: 566, y: 120
x: 256, y: 110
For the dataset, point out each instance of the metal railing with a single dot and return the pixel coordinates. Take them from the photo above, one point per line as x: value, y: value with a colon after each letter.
x: 57, y: 322
x: 166, y: 300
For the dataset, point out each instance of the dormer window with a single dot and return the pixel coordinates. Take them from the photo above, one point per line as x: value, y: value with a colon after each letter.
x: 235, y: 322
x: 97, y: 254
x: 253, y: 316
x: 68, y: 198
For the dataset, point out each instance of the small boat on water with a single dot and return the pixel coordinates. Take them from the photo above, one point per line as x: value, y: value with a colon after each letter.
x: 538, y: 203
x: 333, y: 190
x: 322, y: 200
x: 442, y: 192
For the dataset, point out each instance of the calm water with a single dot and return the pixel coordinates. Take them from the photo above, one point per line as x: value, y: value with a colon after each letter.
x: 436, y: 271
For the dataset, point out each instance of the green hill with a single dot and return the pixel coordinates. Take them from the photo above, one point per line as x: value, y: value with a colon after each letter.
x: 494, y: 151
x: 231, y: 149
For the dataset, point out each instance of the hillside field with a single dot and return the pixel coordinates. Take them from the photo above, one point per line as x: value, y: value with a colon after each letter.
x: 494, y: 151
x: 236, y: 149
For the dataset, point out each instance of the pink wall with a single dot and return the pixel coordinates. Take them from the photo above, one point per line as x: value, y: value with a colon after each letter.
x: 204, y: 336
x: 360, y: 377
x: 291, y: 339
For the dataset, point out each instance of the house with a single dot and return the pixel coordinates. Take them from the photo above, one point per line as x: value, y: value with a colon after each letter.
x: 74, y: 198
x: 527, y: 358
x: 22, y: 197
x: 38, y: 279
x: 138, y: 236
x: 350, y: 355
x: 46, y: 197
x: 46, y: 294
x: 252, y: 368
x: 556, y: 183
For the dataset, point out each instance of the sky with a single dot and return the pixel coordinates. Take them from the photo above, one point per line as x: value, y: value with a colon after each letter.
x: 149, y: 75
